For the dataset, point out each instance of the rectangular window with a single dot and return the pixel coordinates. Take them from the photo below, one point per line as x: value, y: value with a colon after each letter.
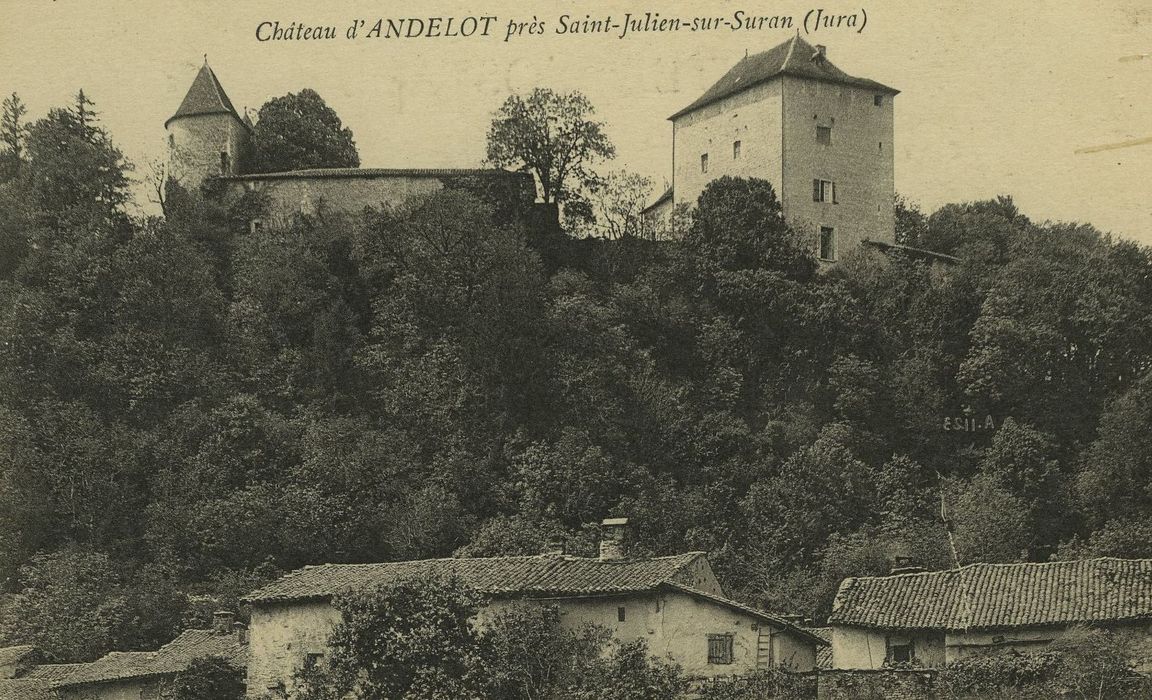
x: 877, y: 100
x: 255, y: 225
x: 704, y: 163
x: 900, y: 651
x: 224, y: 162
x: 824, y: 135
x: 823, y: 191
x: 719, y: 648
x: 827, y: 243
x: 620, y: 614
x: 735, y: 150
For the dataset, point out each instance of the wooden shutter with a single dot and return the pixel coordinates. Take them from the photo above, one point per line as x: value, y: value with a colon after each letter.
x: 816, y: 190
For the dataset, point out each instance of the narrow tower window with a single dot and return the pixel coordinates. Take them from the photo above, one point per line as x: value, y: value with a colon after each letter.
x: 224, y: 162
x: 824, y: 135
x: 704, y: 163
x: 827, y: 243
x: 877, y: 100
x: 735, y: 150
x: 620, y: 614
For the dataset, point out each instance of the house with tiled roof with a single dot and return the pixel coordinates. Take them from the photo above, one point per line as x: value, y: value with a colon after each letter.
x: 934, y: 618
x: 822, y: 137
x: 135, y: 675
x: 674, y: 603
x: 208, y: 140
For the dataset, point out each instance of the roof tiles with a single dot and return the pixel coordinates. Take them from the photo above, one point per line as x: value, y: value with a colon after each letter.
x: 794, y: 57
x: 554, y: 575
x: 1000, y: 596
x: 206, y: 96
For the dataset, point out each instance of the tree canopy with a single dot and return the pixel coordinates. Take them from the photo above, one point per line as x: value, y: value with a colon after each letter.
x: 299, y: 131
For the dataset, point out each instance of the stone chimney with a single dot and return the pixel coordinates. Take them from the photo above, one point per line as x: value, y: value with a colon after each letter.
x: 906, y: 565
x: 821, y: 52
x: 613, y: 536
x: 222, y: 622
x: 556, y: 546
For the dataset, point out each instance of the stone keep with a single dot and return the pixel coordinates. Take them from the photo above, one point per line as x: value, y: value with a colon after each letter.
x: 823, y: 138
x: 206, y: 137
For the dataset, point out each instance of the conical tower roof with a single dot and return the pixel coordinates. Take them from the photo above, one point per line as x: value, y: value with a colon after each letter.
x: 794, y: 57
x: 206, y: 96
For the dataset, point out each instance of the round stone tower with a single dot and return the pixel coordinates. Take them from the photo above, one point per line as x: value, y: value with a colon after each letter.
x: 206, y: 138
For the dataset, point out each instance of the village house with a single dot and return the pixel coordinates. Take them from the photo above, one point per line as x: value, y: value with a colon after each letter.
x: 823, y: 138
x: 131, y: 675
x: 209, y: 141
x: 930, y: 619
x: 674, y: 603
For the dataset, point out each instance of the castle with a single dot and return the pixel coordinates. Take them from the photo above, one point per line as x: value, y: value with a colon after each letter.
x: 207, y: 139
x: 823, y: 138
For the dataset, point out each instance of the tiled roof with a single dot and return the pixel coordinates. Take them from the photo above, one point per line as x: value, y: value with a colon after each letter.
x: 171, y: 658
x: 380, y: 172
x: 794, y: 57
x: 556, y: 575
x: 1000, y: 596
x: 206, y: 96
x: 660, y: 200
x: 759, y: 614
x: 823, y: 652
x: 25, y: 689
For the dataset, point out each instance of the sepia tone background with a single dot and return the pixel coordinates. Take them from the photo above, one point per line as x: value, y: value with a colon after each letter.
x: 997, y: 98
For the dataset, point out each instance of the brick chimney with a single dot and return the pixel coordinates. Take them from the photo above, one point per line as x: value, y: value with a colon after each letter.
x: 821, y: 52
x: 222, y: 622
x: 613, y: 536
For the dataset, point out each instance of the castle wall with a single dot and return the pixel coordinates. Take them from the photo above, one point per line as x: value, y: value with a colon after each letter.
x: 195, y: 144
x: 752, y: 117
x: 859, y: 160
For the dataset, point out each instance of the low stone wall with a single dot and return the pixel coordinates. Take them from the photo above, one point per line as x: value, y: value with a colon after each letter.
x: 876, y: 684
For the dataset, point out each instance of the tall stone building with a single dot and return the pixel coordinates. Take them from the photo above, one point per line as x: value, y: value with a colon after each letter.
x: 823, y: 138
x: 208, y: 140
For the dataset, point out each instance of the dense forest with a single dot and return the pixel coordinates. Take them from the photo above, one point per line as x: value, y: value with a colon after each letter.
x: 188, y: 409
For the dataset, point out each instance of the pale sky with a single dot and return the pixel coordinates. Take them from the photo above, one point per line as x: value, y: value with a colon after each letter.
x: 995, y: 97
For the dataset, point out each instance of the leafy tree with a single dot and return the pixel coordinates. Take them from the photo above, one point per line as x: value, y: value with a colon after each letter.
x: 208, y: 678
x: 299, y: 131
x: 617, y: 201
x: 551, y: 135
x: 989, y: 524
x: 12, y: 136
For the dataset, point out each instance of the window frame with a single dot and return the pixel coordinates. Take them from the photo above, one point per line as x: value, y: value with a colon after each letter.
x: 820, y: 247
x: 737, y: 148
x: 704, y: 163
x: 821, y: 129
x: 621, y: 614
x: 824, y: 191
x: 726, y: 653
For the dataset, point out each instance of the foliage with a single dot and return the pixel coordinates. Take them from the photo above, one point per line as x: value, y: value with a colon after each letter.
x: 208, y: 678
x: 774, y: 684
x: 299, y: 131
x: 12, y: 136
x: 552, y: 135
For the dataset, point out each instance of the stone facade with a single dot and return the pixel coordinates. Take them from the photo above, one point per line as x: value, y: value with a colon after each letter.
x: 824, y: 140
x: 206, y: 145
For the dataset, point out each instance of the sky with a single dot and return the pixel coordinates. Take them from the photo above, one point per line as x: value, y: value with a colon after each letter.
x: 996, y: 98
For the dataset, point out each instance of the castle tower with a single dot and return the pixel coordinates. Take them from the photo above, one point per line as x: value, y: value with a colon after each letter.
x: 823, y: 138
x: 206, y: 137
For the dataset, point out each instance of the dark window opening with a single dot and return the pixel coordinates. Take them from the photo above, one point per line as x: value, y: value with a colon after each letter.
x: 824, y: 135
x: 719, y: 648
x: 704, y: 163
x: 877, y: 100
x: 823, y: 191
x: 224, y: 162
x: 735, y: 150
x: 827, y: 243
x: 901, y: 653
x: 620, y: 614
x: 313, y: 660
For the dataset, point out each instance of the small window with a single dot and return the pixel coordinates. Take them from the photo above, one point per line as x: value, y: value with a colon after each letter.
x: 877, y: 100
x: 620, y: 614
x: 224, y: 162
x: 719, y: 648
x: 735, y: 150
x: 824, y: 135
x: 255, y: 225
x: 171, y: 140
x: 823, y: 191
x: 827, y: 243
x: 704, y: 163
x: 902, y: 652
x: 880, y: 146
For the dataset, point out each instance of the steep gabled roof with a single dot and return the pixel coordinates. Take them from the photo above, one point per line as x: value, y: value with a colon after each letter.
x: 794, y: 57
x: 171, y: 658
x: 206, y: 96
x: 530, y: 575
x: 1000, y: 596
